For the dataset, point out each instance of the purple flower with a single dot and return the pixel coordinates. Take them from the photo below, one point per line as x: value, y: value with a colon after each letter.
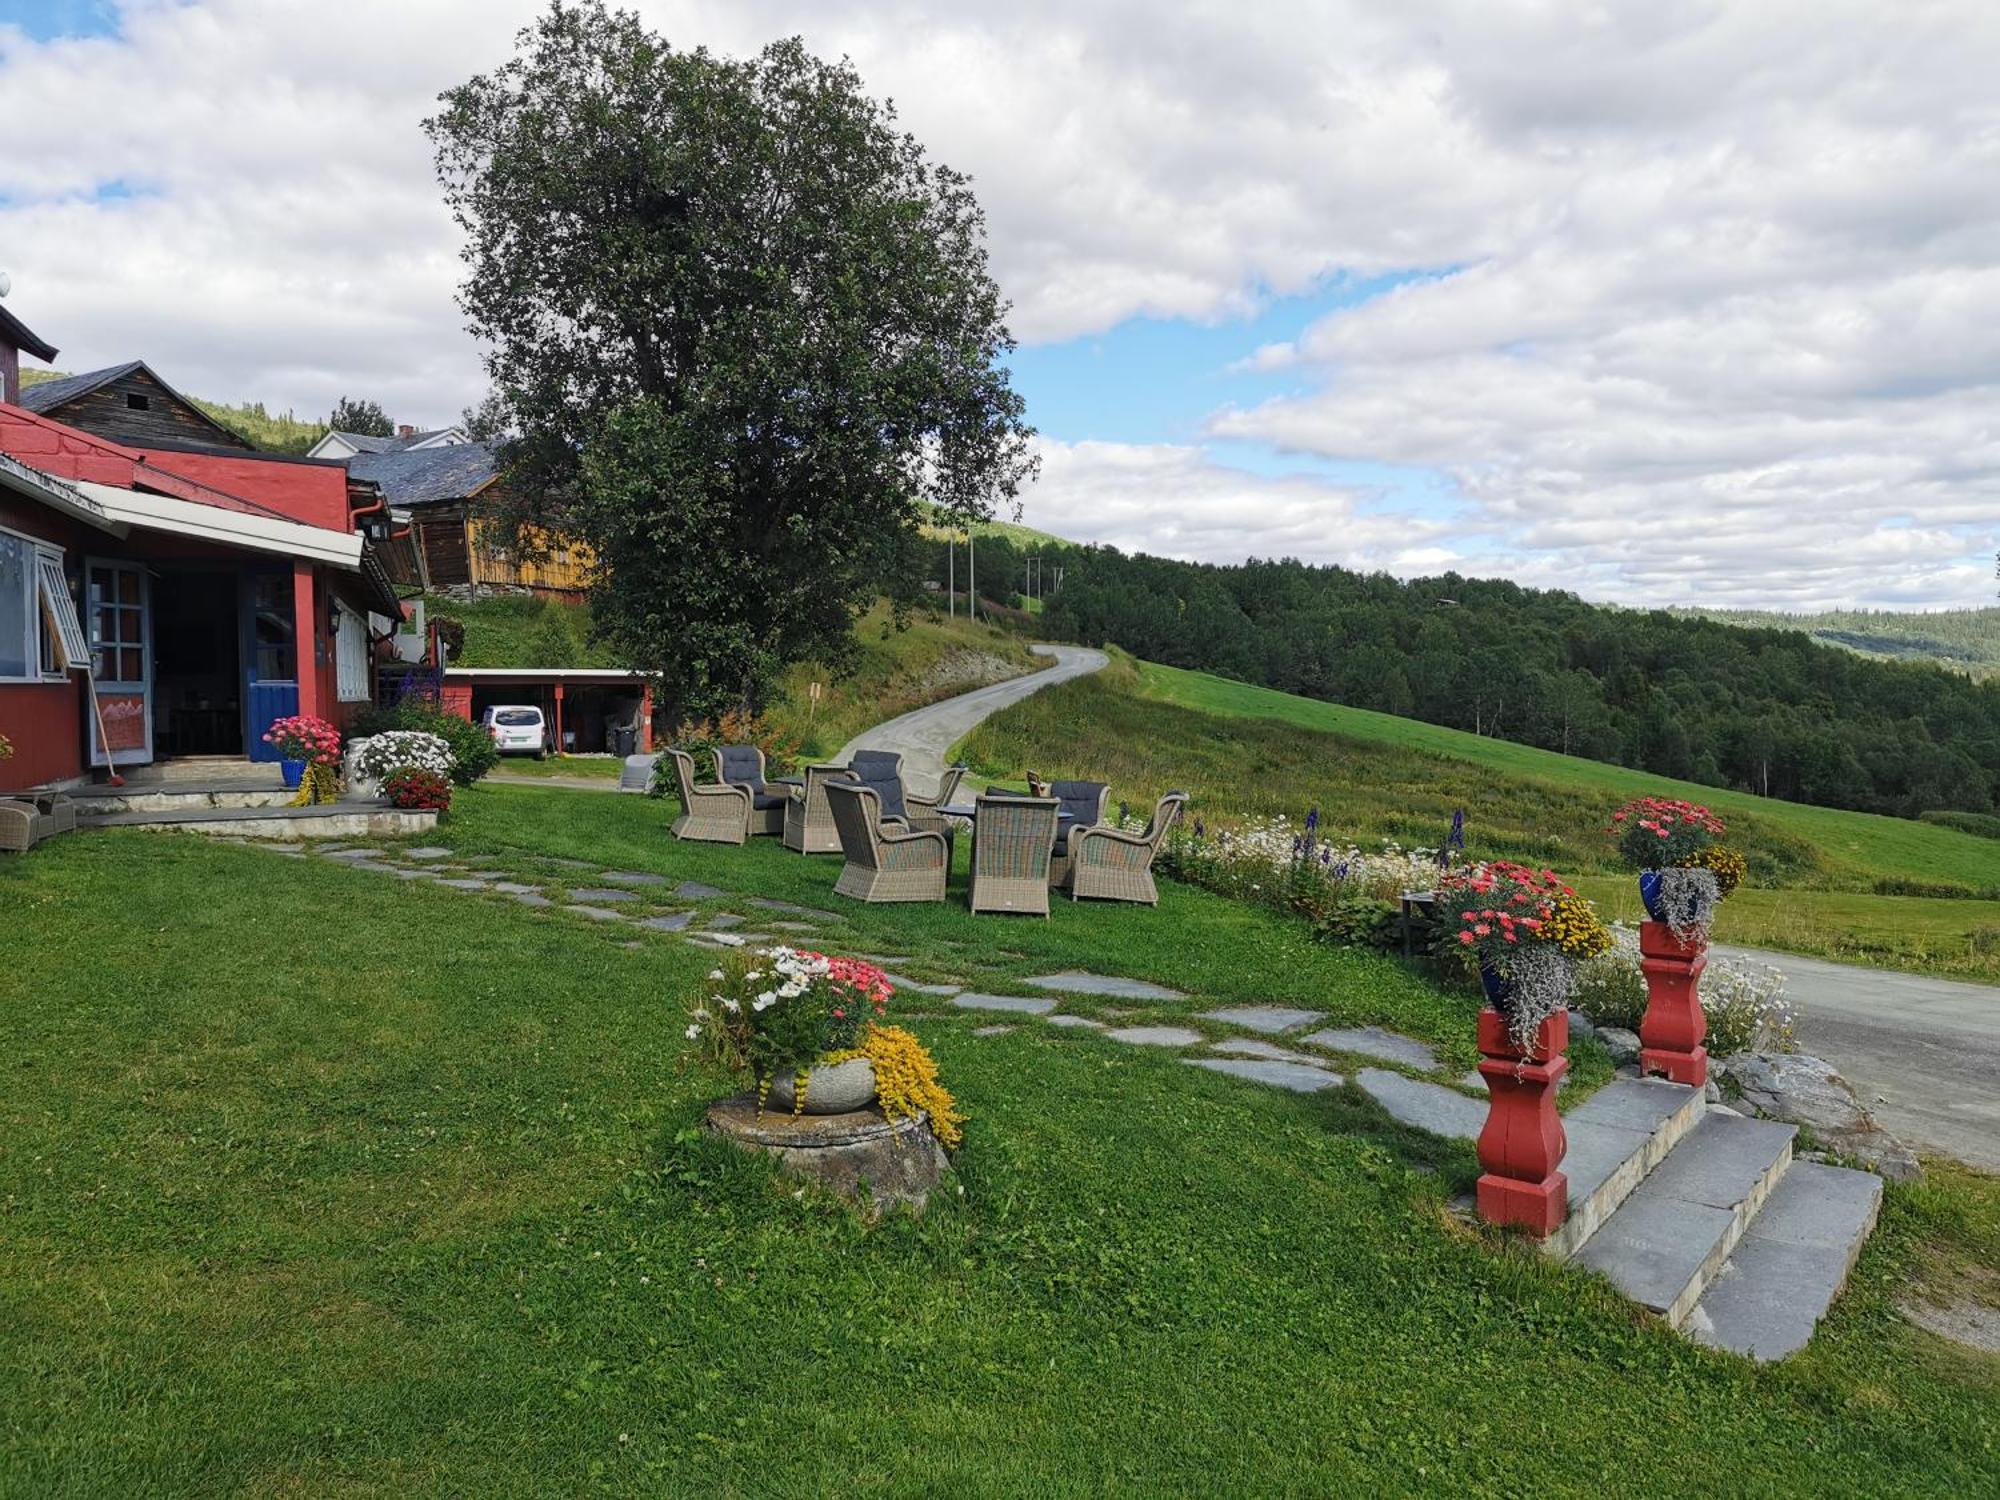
x: 1312, y: 820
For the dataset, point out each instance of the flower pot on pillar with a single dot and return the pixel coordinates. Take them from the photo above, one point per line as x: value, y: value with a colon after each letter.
x: 1521, y: 1149
x: 1670, y: 1035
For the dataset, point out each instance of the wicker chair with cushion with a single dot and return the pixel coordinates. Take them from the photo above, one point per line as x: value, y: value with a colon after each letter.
x: 1011, y: 846
x: 885, y: 861
x: 1109, y: 864
x: 881, y: 771
x: 22, y: 825
x: 743, y: 765
x: 808, y: 820
x: 713, y: 814
x: 1082, y: 807
x: 923, y: 811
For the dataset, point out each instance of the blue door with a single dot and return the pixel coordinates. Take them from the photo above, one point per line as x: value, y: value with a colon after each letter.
x: 270, y: 658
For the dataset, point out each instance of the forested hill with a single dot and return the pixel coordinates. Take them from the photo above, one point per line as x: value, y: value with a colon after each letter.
x: 1765, y: 710
x: 1966, y: 639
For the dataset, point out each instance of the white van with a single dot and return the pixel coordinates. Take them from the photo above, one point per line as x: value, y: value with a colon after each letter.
x: 519, y: 728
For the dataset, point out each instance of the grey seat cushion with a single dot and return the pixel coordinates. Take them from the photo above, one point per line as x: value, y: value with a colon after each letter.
x: 1080, y: 801
x: 765, y: 800
x: 882, y: 772
x: 739, y: 766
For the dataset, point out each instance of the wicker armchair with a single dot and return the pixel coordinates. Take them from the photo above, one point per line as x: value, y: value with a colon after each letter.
x: 923, y: 811
x: 1109, y: 864
x: 808, y: 820
x: 1082, y: 807
x: 881, y: 771
x: 885, y: 862
x: 1011, y: 847
x: 22, y: 826
x: 743, y: 765
x: 712, y: 814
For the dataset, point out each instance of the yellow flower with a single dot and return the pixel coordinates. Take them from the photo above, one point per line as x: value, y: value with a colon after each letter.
x: 906, y: 1080
x: 1572, y: 924
x: 1728, y: 866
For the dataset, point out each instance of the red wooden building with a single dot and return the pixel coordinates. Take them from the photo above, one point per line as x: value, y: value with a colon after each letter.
x: 212, y: 588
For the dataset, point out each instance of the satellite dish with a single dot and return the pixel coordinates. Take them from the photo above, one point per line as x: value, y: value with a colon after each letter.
x: 6, y: 285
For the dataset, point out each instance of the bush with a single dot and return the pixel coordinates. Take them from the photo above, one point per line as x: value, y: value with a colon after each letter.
x: 1744, y: 1000
x: 1944, y: 889
x: 701, y: 738
x: 471, y: 747
x: 411, y: 789
x: 1984, y: 825
x: 399, y: 750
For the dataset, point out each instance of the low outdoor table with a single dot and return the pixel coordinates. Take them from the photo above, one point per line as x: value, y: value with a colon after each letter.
x: 784, y: 781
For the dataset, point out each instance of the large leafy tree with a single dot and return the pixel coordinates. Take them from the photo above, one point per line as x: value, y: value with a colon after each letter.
x: 741, y: 329
x: 360, y: 415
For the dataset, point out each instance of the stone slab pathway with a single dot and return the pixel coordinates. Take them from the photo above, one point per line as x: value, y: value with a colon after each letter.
x: 695, y: 890
x: 1269, y: 1019
x: 1243, y: 1046
x: 1297, y: 1077
x: 1373, y: 1041
x: 1155, y: 1036
x: 1076, y: 982
x: 1427, y: 1106
x: 1027, y: 1005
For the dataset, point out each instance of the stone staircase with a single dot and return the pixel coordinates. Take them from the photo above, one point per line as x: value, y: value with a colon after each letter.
x: 1702, y: 1216
x: 238, y: 798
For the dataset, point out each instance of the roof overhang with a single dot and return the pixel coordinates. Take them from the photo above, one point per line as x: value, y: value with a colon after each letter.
x: 544, y: 674
x: 57, y: 494
x: 230, y: 528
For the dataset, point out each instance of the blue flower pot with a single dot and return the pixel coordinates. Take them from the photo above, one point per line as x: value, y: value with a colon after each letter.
x: 1649, y: 892
x: 294, y: 772
x: 1499, y: 988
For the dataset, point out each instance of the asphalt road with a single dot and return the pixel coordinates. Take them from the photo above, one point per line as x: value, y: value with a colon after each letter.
x: 924, y: 736
x: 1923, y: 1054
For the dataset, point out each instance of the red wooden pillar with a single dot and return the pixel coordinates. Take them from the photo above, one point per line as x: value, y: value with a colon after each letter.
x: 1670, y: 1035
x: 456, y: 698
x: 559, y: 733
x: 305, y: 636
x: 646, y: 720
x: 1522, y: 1147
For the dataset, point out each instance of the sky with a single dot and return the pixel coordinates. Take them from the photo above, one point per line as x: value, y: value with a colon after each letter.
x: 1675, y: 302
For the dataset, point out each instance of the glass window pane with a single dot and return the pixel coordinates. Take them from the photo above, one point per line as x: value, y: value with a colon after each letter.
x: 17, y: 621
x: 128, y: 587
x: 131, y: 665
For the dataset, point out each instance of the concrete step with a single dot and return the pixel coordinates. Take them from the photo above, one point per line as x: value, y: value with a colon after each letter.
x: 207, y: 769
x: 327, y: 821
x: 1669, y: 1239
x: 179, y: 796
x: 1790, y: 1263
x: 1616, y: 1136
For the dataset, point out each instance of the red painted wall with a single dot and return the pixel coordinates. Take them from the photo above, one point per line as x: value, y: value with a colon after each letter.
x: 43, y: 720
x: 313, y: 493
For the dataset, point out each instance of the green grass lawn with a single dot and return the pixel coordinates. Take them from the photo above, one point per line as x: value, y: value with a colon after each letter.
x: 596, y: 767
x: 317, y: 1183
x: 1243, y: 751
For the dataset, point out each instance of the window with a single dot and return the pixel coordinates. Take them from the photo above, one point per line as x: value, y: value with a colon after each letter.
x: 20, y: 635
x: 350, y: 655
x: 63, y: 646
x: 136, y: 402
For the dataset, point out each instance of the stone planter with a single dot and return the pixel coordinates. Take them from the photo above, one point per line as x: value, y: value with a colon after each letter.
x: 1670, y: 1036
x: 877, y: 1162
x: 837, y: 1090
x: 1522, y: 1145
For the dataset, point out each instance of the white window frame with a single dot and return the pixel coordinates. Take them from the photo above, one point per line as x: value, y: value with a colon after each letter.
x: 350, y: 655
x: 32, y: 662
x: 68, y: 646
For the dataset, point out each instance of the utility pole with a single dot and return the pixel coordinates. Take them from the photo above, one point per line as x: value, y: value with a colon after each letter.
x: 950, y: 573
x: 971, y: 577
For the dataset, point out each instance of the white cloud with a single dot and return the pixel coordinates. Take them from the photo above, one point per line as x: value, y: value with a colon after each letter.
x: 1724, y: 321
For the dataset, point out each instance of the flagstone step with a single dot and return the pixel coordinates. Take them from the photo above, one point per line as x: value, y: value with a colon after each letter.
x: 1616, y: 1136
x: 329, y: 820
x: 177, y: 796
x: 1669, y: 1239
x: 1791, y: 1263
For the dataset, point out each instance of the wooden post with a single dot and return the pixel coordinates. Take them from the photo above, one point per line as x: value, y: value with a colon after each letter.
x: 1522, y: 1147
x: 305, y: 636
x: 1670, y: 1035
x: 559, y: 732
x: 646, y: 719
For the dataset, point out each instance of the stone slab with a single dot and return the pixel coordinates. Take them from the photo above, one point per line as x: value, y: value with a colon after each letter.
x: 716, y: 939
x: 532, y: 898
x: 1076, y: 982
x: 597, y: 913
x: 991, y: 1030
x: 1634, y: 1103
x: 723, y: 920
x: 378, y: 866
x: 1791, y: 1262
x: 1652, y: 1249
x: 601, y: 896
x: 672, y: 922
x: 694, y: 890
x: 1269, y: 1019
x: 1243, y: 1046
x: 512, y: 887
x: 795, y: 909
x: 1080, y: 1022
x: 1426, y: 1106
x: 1155, y: 1036
x: 917, y: 985
x: 1721, y: 1161
x: 632, y: 877
x: 1616, y: 1137
x: 349, y: 852
x: 465, y: 884
x: 793, y: 926
x: 1298, y: 1077
x: 415, y: 875
x: 1373, y: 1041
x: 1027, y: 1005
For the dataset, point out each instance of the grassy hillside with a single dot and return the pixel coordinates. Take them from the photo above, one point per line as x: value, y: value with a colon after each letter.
x: 284, y: 432
x: 1967, y: 639
x: 1825, y: 878
x: 518, y: 631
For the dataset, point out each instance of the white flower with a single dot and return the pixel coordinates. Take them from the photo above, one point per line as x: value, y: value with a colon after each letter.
x: 694, y: 1030
x: 731, y: 1006
x: 764, y: 1001
x: 715, y: 974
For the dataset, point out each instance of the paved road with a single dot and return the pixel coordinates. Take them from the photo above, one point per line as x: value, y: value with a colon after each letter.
x: 924, y: 736
x: 1923, y: 1054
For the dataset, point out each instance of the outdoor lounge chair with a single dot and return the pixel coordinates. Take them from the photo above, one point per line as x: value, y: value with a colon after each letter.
x: 1013, y: 839
x: 712, y: 814
x: 882, y: 772
x: 808, y: 820
x: 22, y: 825
x: 923, y: 811
x: 1109, y: 864
x: 743, y: 765
x: 885, y: 861
x: 1082, y: 807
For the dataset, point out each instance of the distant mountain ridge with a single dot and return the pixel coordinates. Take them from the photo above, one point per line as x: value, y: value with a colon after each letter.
x: 1965, y: 639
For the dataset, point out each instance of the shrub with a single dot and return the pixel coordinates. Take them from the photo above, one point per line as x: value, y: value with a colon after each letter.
x: 701, y: 738
x: 412, y: 789
x: 472, y: 749
x: 1984, y: 825
x: 451, y: 632
x: 1745, y: 1001
x: 402, y: 749
x: 1948, y: 890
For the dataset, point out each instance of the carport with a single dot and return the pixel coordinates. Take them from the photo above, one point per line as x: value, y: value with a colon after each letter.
x: 587, y: 706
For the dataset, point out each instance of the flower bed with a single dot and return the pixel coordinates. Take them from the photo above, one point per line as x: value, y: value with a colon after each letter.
x: 1528, y: 930
x: 380, y: 755
x: 417, y: 790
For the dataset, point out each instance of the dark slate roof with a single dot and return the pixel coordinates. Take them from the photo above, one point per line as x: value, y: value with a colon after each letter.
x: 427, y: 476
x: 364, y: 442
x: 53, y: 393
x: 22, y: 337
